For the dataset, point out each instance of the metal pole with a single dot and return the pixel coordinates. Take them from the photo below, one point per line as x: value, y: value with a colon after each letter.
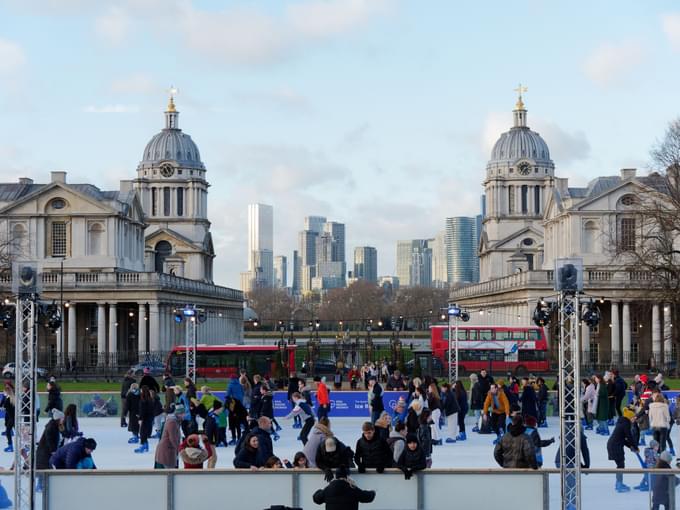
x: 60, y: 361
x: 451, y: 381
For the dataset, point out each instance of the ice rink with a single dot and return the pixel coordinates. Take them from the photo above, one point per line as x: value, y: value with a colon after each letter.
x: 113, y: 452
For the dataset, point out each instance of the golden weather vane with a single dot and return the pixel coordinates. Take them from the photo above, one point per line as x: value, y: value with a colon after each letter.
x: 521, y: 89
x: 173, y: 91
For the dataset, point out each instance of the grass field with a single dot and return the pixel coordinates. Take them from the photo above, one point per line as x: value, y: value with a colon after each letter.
x: 218, y: 385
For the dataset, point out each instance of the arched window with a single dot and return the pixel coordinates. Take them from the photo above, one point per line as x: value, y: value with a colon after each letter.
x: 95, y: 239
x: 163, y: 251
x: 590, y: 237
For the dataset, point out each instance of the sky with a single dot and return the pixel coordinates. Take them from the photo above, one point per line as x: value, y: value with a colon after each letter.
x: 377, y: 113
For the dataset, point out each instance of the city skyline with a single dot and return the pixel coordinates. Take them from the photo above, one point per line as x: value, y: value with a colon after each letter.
x: 372, y: 112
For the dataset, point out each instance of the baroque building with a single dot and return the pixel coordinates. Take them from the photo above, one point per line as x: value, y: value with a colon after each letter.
x: 121, y: 262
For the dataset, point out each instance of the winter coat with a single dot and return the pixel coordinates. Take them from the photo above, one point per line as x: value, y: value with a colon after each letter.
x: 602, y: 413
x: 266, y: 405
x: 542, y: 393
x: 256, y: 402
x: 515, y: 449
x: 54, y: 400
x: 529, y: 402
x: 322, y: 394
x: 659, y: 415
x: 462, y: 400
x: 660, y: 486
x: 68, y: 456
x: 8, y: 405
x: 70, y: 429
x: 192, y: 457
x: 395, y: 383
x: 168, y: 446
x: 538, y: 443
x: 449, y: 403
x: 590, y: 396
x: 477, y: 396
x: 190, y: 391
x: 150, y: 383
x: 133, y: 412
x: 412, y: 460
x: 235, y: 390
x: 621, y: 436
x: 503, y: 406
x: 146, y: 410
x: 619, y: 387
x: 434, y: 403
x: 342, y: 456
x: 585, y: 452
x: 412, y: 422
x: 125, y: 386
x: 317, y: 436
x: 485, y: 384
x: 397, y: 444
x: 372, y: 454
x: 48, y: 444
x: 376, y: 402
x: 247, y: 458
x: 266, y: 448
x: 342, y: 495
x: 425, y: 439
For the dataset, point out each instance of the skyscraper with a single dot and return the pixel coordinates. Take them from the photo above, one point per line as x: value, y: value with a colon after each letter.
x: 366, y: 263
x: 440, y: 277
x: 337, y: 232
x: 462, y: 239
x: 315, y: 223
x: 297, y: 273
x: 260, y: 247
x: 414, y: 263
x: 281, y: 272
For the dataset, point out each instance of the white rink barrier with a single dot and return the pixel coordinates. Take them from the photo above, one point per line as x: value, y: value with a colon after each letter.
x: 434, y: 489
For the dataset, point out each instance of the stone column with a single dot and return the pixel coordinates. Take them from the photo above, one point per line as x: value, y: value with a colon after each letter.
x: 113, y: 334
x: 60, y: 351
x: 615, y: 333
x: 101, y: 334
x: 656, y: 334
x: 667, y: 335
x: 141, y: 331
x: 154, y: 329
x: 72, y: 340
x: 625, y: 332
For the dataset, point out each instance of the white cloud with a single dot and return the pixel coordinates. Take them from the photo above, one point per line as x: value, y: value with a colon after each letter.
x: 564, y: 147
x: 671, y: 27
x: 113, y: 26
x: 12, y: 58
x: 611, y: 63
x: 111, y: 108
x: 139, y: 83
x: 321, y: 19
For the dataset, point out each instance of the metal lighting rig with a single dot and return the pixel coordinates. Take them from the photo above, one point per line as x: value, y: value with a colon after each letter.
x: 190, y: 315
x: 455, y: 315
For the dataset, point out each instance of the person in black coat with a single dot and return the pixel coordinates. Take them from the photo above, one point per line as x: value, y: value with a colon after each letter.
x: 450, y: 408
x: 621, y: 437
x: 528, y: 400
x: 293, y: 382
x: 128, y: 381
x: 146, y: 416
x: 663, y: 484
x: 332, y: 454
x: 249, y: 456
x: 485, y: 382
x: 463, y: 408
x: 412, y: 458
x: 542, y: 397
x: 49, y: 441
x: 342, y: 493
x: 372, y: 451
x: 620, y: 388
x: 54, y: 400
x: 133, y: 412
x: 149, y: 381
x: 8, y: 403
x: 263, y: 432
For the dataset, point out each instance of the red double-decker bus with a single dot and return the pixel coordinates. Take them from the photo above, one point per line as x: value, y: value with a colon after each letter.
x: 225, y: 361
x: 519, y: 350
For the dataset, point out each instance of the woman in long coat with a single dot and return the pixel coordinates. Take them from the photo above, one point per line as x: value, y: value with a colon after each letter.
x: 602, y: 414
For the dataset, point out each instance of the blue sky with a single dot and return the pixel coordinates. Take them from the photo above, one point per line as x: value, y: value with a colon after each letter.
x: 377, y: 113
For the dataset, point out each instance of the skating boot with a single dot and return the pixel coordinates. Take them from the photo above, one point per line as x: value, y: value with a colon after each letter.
x: 276, y: 437
x: 621, y: 487
x: 671, y: 451
x: 9, y: 448
x: 232, y: 442
x: 461, y: 436
x: 644, y: 485
x: 142, y: 448
x: 544, y: 425
x: 134, y: 439
x: 278, y: 427
x: 642, y: 440
x: 497, y: 440
x: 475, y: 429
x: 450, y: 440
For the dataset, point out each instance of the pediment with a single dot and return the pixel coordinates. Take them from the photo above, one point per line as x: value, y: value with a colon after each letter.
x: 177, y: 240
x: 516, y: 239
x: 76, y: 202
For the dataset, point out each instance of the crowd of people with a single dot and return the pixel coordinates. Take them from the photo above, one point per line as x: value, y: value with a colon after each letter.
x: 192, y: 425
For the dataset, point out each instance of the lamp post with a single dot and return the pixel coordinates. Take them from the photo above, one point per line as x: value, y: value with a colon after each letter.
x: 60, y: 361
x: 369, y: 340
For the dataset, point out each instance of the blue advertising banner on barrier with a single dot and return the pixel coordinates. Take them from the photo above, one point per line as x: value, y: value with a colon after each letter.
x: 350, y: 404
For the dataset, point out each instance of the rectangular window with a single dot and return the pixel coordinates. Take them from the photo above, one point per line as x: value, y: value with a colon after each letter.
x: 59, y: 239
x: 627, y: 234
x: 594, y: 353
x: 180, y: 201
x: 525, y: 199
x: 154, y: 202
x: 92, y: 355
x: 511, y: 199
x: 537, y: 200
x: 166, y: 201
x: 485, y: 334
x: 93, y: 322
x: 635, y: 353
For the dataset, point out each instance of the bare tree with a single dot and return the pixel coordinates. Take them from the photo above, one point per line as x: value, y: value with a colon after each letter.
x: 271, y: 305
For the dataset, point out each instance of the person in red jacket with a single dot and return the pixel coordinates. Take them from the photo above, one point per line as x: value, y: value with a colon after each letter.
x: 322, y: 397
x: 194, y: 456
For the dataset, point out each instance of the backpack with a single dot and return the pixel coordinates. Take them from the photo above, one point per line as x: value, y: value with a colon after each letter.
x: 486, y: 425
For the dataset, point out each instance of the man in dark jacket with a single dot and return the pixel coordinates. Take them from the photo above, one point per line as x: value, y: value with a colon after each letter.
x: 485, y: 382
x: 342, y: 494
x: 621, y: 437
x: 412, y: 458
x: 68, y: 456
x: 395, y: 382
x: 528, y: 400
x: 124, y: 388
x: 372, y: 451
x: 149, y: 381
x: 515, y: 449
x: 263, y: 433
x: 376, y: 399
x: 619, y: 391
x: 332, y: 454
x: 663, y: 484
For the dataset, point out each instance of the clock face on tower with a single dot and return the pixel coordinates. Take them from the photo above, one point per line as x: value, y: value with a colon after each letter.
x: 167, y: 170
x: 524, y: 168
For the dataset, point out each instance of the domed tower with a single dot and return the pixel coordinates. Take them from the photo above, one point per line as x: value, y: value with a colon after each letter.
x: 174, y: 193
x: 519, y: 179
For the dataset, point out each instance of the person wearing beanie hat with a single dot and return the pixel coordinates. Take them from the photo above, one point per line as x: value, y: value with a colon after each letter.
x: 413, y: 458
x: 332, y: 454
x: 49, y: 442
x: 622, y: 437
x: 193, y: 456
x: 71, y: 454
x: 168, y: 446
x: 342, y: 493
x: 651, y: 457
x: 531, y: 430
x: 666, y: 457
x: 663, y: 485
x: 57, y: 414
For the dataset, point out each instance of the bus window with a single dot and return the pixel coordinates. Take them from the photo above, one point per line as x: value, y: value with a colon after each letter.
x: 481, y: 355
x: 519, y: 335
x: 534, y: 334
x: 503, y: 335
x: 472, y: 334
x: 532, y: 355
x: 485, y: 334
x: 462, y: 334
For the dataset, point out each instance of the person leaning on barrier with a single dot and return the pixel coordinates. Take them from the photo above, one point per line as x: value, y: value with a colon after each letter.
x: 342, y: 493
